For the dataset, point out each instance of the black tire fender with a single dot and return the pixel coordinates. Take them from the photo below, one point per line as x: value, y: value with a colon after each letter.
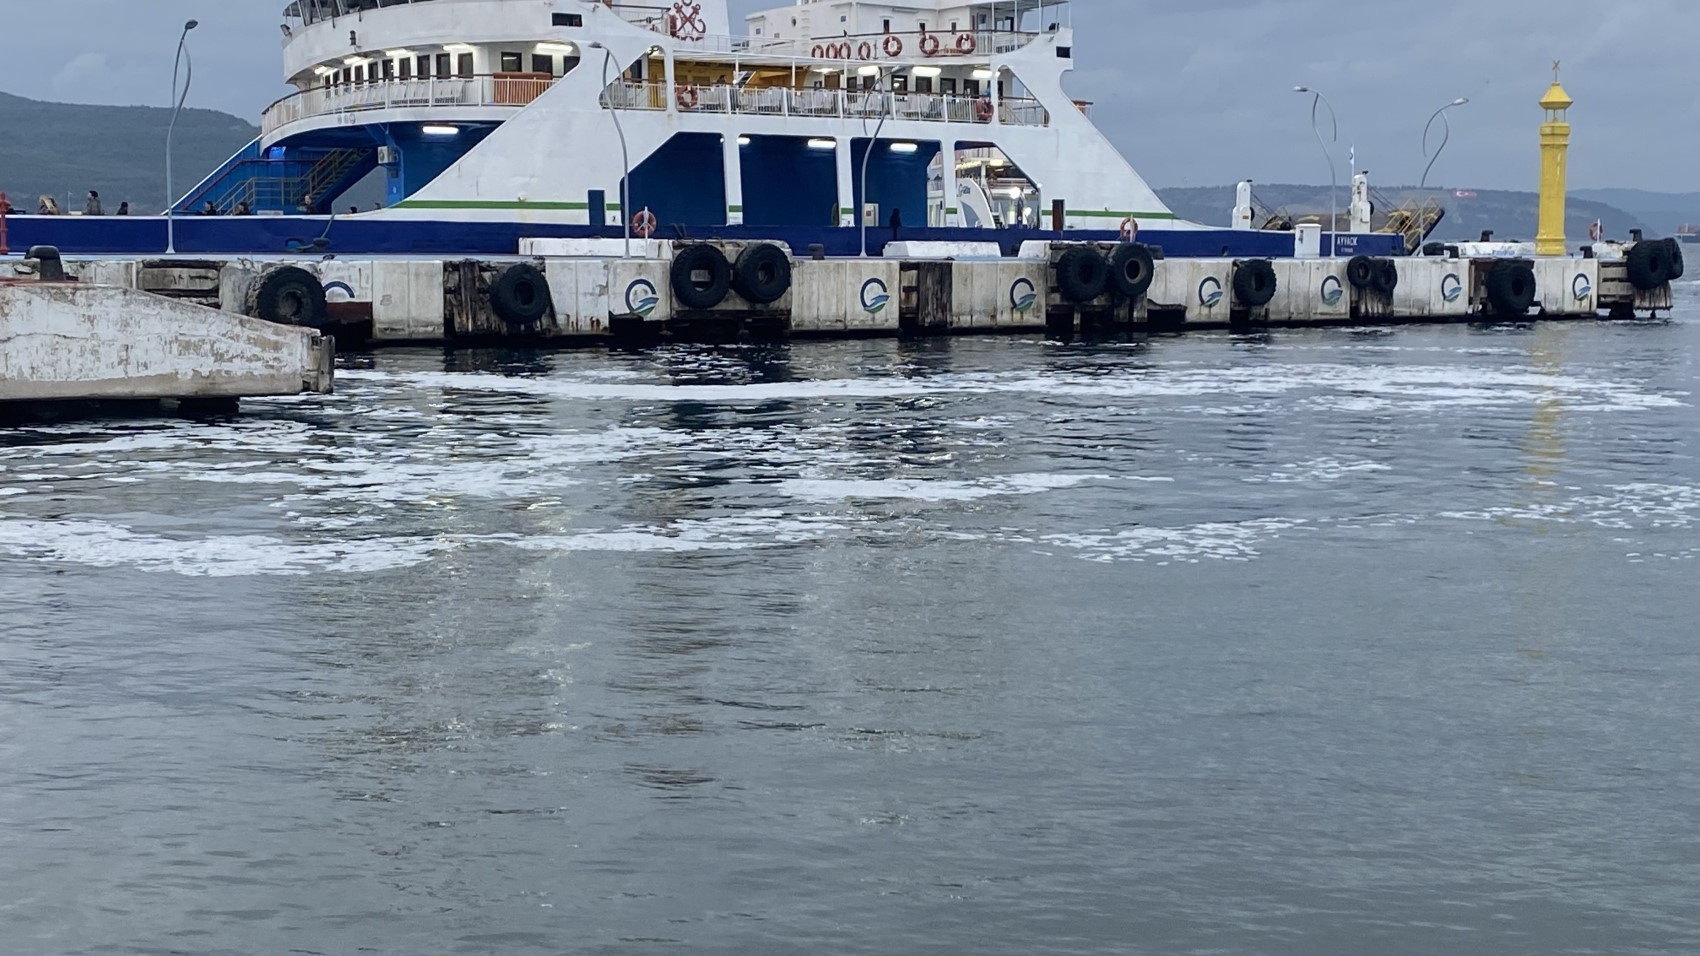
x: 762, y: 273
x: 1131, y: 270
x: 1649, y: 265
x: 1082, y: 275
x: 1510, y: 286
x: 289, y: 295
x: 520, y: 295
x: 1386, y: 277
x: 1677, y: 266
x: 1360, y: 272
x: 701, y: 276
x: 1254, y: 283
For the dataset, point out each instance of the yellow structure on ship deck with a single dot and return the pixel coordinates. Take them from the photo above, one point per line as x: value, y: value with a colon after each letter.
x: 1555, y: 147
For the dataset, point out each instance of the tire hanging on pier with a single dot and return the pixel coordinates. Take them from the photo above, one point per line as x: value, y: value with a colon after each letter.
x: 1254, y: 283
x: 1677, y: 267
x: 1082, y: 275
x: 1360, y: 272
x: 701, y: 276
x: 1511, y: 287
x: 762, y: 273
x: 1649, y: 265
x: 1386, y: 277
x: 288, y: 295
x: 520, y: 295
x: 1131, y: 270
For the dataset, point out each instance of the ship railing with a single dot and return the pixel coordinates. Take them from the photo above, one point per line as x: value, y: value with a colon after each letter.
x: 489, y: 90
x: 849, y: 47
x: 823, y: 103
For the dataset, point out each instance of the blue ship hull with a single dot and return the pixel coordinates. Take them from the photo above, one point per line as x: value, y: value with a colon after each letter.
x: 378, y: 235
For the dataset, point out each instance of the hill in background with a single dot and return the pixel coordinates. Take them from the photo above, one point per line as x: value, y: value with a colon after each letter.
x: 58, y: 148
x: 1511, y: 215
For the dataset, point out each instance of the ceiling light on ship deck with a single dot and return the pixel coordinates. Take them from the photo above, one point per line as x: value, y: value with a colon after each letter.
x: 397, y: 54
x: 556, y: 48
x: 983, y: 74
x: 323, y: 70
x: 905, y: 147
x: 743, y: 141
x: 927, y: 71
x: 457, y: 48
x: 823, y: 144
x: 354, y: 61
x: 434, y: 130
x: 869, y: 71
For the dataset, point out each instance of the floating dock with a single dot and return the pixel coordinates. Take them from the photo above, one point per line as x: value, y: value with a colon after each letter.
x: 63, y: 340
x: 585, y: 291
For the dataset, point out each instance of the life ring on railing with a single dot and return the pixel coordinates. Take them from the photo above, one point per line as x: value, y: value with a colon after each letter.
x: 984, y: 110
x: 893, y: 45
x: 1130, y: 229
x: 845, y: 49
x: 865, y: 51
x: 688, y: 98
x: 965, y: 44
x: 930, y: 44
x: 819, y: 52
x: 644, y: 224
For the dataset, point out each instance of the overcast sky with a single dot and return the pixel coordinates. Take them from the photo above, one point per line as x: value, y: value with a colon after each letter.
x: 1194, y: 92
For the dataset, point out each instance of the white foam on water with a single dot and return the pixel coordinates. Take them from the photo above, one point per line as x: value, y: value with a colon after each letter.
x: 827, y: 490
x: 104, y: 544
x: 1222, y: 541
x: 1320, y: 470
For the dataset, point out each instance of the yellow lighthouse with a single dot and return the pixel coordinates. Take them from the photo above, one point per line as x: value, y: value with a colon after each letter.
x: 1555, y: 145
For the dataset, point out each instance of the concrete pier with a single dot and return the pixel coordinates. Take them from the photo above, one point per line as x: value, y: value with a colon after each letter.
x: 69, y: 341
x: 586, y: 292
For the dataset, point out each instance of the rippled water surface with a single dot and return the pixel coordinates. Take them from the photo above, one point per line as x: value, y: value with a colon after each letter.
x: 1326, y: 642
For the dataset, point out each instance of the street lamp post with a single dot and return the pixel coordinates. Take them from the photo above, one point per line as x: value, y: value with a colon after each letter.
x: 1446, y: 128
x: 1333, y: 174
x: 183, y: 58
x: 868, y: 154
x: 625, y: 155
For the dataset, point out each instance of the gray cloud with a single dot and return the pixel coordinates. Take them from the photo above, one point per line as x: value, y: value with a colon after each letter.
x: 1192, y: 91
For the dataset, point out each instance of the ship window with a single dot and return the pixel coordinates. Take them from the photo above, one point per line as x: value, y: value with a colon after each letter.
x: 887, y: 27
x: 360, y: 74
x: 1065, y: 53
x: 971, y: 87
x: 568, y: 19
x: 445, y: 65
x: 463, y: 65
x: 406, y: 71
x: 923, y: 26
x: 923, y: 84
x: 900, y: 84
x: 389, y: 69
x: 947, y: 86
x: 422, y: 66
x: 542, y: 63
x: 510, y: 63
x: 953, y: 26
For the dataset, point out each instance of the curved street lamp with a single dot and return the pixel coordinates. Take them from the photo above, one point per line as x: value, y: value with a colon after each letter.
x: 1446, y: 127
x: 625, y: 155
x: 1333, y: 175
x: 868, y: 154
x: 183, y: 58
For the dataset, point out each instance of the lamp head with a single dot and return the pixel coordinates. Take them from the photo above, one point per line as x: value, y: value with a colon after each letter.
x: 1460, y: 101
x: 1301, y: 89
x: 596, y: 45
x: 192, y: 24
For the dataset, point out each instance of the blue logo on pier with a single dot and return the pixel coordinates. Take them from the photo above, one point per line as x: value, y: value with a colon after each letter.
x: 1332, y: 290
x: 1022, y: 295
x: 1451, y: 287
x: 641, y: 298
x: 875, y: 296
x: 1210, y: 292
x: 1580, y: 287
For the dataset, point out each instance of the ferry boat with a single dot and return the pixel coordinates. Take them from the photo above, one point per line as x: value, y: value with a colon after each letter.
x: 492, y: 121
x: 1688, y: 233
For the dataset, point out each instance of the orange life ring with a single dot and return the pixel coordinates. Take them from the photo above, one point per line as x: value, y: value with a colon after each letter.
x: 844, y: 50
x: 930, y: 44
x: 1129, y: 229
x: 893, y: 45
x: 644, y: 224
x: 965, y: 44
x: 865, y: 51
x: 688, y: 98
x: 819, y: 52
x: 983, y: 109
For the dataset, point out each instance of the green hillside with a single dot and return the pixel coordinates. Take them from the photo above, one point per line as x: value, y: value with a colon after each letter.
x: 1511, y: 215
x: 57, y: 148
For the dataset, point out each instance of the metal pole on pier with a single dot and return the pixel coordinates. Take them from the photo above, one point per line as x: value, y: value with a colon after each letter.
x: 868, y: 154
x: 625, y: 155
x: 177, y: 101
x: 1446, y: 127
x: 1333, y: 175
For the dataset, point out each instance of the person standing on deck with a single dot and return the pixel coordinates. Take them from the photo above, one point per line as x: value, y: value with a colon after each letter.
x: 93, y: 208
x: 123, y: 209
